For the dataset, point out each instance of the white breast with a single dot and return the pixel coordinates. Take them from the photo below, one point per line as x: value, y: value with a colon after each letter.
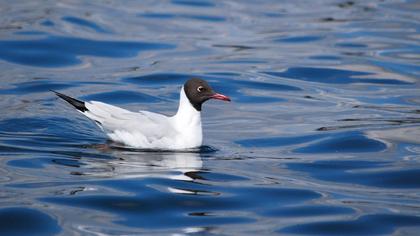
x: 187, y: 123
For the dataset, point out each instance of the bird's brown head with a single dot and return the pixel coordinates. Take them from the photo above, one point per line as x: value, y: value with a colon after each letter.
x: 198, y: 91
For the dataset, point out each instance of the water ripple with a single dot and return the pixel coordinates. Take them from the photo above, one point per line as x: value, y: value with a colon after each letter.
x: 85, y: 23
x: 321, y: 136
x: 334, y: 76
x: 35, y: 222
x: 360, y: 226
x: 361, y: 172
x: 59, y: 51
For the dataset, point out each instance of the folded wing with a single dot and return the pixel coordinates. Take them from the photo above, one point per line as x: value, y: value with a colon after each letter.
x: 137, y: 129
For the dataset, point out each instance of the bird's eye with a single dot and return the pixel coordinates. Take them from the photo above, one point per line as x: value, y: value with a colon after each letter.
x: 200, y: 89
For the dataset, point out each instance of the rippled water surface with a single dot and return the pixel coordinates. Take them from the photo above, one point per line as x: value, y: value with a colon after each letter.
x: 322, y: 136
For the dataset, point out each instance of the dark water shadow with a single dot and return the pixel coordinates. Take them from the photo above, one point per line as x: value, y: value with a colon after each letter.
x: 378, y: 224
x: 27, y: 221
x: 85, y: 23
x: 333, y: 76
x: 299, y: 39
x: 36, y: 86
x: 60, y: 51
x: 368, y: 173
x: 334, y: 142
x: 192, y: 3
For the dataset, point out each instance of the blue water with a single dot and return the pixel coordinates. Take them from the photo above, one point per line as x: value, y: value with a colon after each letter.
x: 322, y: 136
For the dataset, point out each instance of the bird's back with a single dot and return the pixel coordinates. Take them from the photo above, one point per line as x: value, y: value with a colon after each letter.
x: 138, y: 129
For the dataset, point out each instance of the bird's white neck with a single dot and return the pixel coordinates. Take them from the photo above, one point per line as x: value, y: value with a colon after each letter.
x: 187, y: 122
x: 187, y: 115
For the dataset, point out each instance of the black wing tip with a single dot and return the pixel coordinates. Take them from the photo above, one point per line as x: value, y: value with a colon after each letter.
x: 56, y: 93
x: 79, y: 105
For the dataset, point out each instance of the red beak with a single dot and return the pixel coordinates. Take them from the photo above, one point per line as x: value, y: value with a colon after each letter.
x: 220, y: 97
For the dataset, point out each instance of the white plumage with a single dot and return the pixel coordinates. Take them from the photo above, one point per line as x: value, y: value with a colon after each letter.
x: 150, y: 130
x: 146, y: 129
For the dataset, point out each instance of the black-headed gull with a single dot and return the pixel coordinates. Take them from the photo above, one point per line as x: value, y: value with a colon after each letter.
x: 150, y: 130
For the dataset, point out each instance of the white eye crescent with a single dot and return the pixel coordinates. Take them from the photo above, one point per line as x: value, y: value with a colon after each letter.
x: 200, y: 89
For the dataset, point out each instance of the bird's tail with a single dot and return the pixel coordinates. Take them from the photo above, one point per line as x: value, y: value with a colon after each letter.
x: 79, y: 105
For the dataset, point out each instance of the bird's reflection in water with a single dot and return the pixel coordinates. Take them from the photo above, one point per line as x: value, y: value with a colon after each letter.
x: 134, y: 163
x: 155, y: 175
